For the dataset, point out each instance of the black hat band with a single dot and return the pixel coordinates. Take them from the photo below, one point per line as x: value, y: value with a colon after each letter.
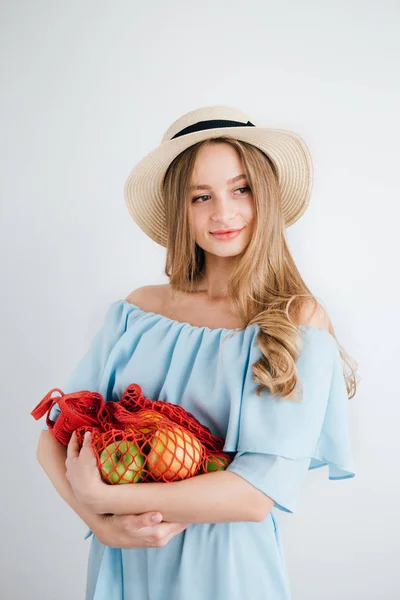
x: 211, y: 124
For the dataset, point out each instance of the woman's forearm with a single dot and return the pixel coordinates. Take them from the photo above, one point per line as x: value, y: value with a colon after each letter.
x: 219, y: 496
x: 51, y: 456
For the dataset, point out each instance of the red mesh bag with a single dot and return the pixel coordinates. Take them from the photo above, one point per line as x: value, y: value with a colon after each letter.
x: 77, y: 409
x: 136, y: 439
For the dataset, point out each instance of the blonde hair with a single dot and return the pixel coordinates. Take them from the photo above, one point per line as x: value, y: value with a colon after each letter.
x: 265, y: 286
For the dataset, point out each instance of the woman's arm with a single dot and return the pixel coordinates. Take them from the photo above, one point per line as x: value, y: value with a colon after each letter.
x: 51, y: 456
x: 126, y: 531
x: 215, y: 497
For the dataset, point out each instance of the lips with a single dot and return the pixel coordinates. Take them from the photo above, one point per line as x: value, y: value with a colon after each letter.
x: 223, y: 231
x: 226, y: 234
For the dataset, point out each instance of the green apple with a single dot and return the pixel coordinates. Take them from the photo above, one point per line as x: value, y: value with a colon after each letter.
x: 215, y: 463
x: 121, y: 463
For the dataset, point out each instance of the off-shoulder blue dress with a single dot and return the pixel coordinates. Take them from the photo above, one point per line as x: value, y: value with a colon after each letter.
x: 208, y: 372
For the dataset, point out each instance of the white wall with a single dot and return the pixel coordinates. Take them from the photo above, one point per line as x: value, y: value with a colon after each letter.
x: 88, y: 89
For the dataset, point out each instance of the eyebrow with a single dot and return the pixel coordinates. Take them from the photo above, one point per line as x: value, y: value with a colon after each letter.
x: 208, y: 187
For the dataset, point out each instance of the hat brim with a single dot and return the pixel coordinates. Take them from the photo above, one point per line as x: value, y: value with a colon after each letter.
x: 286, y: 149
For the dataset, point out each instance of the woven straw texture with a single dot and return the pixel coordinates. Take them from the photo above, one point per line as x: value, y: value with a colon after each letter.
x: 286, y: 149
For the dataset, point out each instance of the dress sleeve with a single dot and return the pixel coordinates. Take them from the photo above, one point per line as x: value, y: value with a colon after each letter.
x: 278, y: 441
x: 87, y: 373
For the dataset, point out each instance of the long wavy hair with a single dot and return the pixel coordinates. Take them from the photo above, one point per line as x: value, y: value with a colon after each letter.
x: 265, y: 286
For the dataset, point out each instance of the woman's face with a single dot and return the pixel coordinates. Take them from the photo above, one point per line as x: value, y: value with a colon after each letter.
x: 218, y: 203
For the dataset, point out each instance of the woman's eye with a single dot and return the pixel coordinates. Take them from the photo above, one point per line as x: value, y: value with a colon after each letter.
x: 199, y: 198
x: 207, y: 196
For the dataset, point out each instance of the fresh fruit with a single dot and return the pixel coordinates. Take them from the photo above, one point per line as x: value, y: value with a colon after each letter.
x: 150, y: 415
x: 215, y: 463
x: 175, y: 454
x: 151, y: 418
x: 121, y: 463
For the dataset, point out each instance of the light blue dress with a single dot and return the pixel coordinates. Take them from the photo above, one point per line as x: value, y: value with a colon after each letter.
x: 277, y: 442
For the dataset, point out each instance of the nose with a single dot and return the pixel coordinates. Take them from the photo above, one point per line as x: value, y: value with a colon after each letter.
x: 223, y: 208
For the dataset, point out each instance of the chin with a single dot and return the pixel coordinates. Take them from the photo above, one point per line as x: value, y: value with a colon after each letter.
x: 229, y: 250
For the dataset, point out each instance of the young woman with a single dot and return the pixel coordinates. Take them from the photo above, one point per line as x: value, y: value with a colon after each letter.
x: 237, y: 338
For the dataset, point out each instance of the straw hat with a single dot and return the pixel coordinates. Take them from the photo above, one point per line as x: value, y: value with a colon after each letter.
x: 287, y: 150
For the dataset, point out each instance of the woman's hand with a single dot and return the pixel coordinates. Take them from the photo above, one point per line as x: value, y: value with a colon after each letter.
x: 83, y: 474
x: 116, y: 531
x: 135, y: 531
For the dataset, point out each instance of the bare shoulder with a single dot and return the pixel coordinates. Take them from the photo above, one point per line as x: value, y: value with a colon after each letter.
x: 314, y: 314
x: 147, y: 297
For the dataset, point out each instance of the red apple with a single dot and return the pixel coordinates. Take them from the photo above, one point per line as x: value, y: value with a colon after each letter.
x: 175, y: 454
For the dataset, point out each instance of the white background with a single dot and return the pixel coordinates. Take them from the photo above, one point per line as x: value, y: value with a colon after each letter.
x: 88, y: 88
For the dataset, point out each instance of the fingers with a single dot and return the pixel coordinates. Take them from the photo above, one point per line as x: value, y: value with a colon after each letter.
x: 87, y: 439
x: 167, y: 530
x: 73, y: 446
x: 161, y: 529
x: 176, y: 528
x: 167, y: 533
x: 146, y: 520
x: 141, y: 527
